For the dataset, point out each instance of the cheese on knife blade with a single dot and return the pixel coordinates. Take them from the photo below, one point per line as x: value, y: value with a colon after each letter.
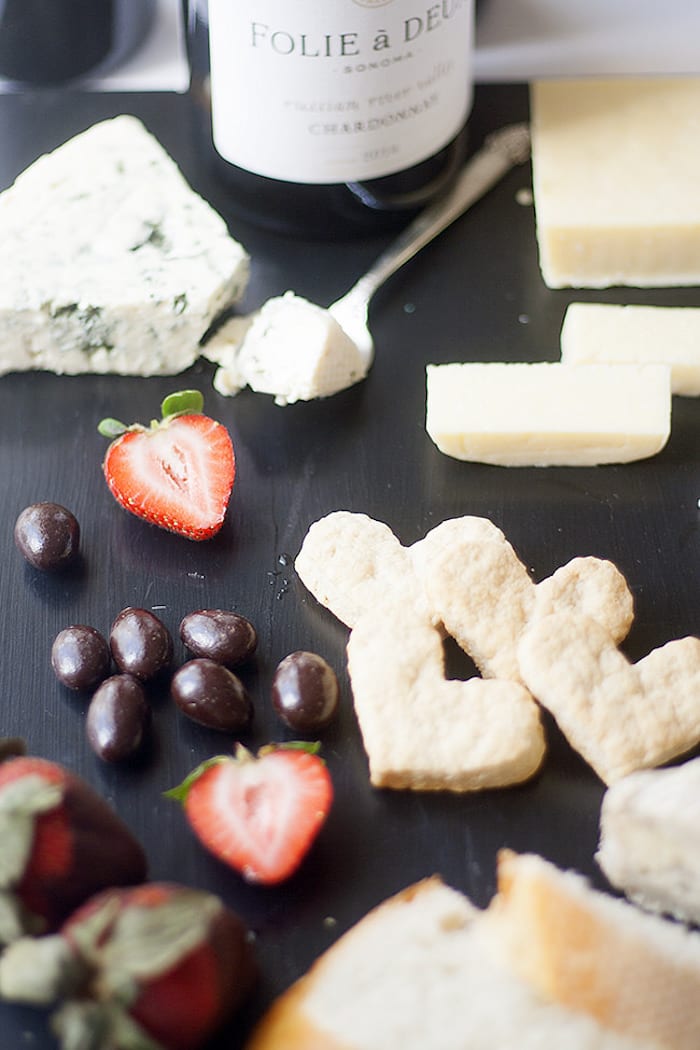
x: 548, y: 414
x: 607, y: 333
x: 110, y: 261
x: 616, y: 169
x: 290, y: 348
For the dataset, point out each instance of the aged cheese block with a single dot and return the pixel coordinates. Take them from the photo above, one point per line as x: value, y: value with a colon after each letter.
x: 607, y: 333
x: 110, y: 261
x: 548, y: 414
x: 616, y: 170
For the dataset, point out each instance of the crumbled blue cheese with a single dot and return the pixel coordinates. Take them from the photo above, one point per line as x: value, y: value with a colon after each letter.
x: 290, y: 348
x: 110, y: 262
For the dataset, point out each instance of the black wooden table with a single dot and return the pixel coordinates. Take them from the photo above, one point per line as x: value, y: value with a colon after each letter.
x: 474, y: 294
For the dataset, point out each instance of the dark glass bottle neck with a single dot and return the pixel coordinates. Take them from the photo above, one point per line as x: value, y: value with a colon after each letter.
x: 47, y: 42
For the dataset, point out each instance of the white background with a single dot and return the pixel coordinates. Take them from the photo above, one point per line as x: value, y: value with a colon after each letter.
x: 515, y: 40
x: 522, y: 39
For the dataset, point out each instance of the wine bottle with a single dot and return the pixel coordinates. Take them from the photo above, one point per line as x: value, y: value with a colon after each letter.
x: 47, y: 42
x: 331, y: 117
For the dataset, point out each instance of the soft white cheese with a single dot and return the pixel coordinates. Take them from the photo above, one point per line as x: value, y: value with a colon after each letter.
x: 605, y: 333
x: 110, y: 262
x: 548, y: 414
x: 650, y: 838
x: 290, y: 348
x: 616, y: 169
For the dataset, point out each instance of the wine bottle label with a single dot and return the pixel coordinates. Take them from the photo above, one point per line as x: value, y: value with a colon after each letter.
x: 327, y: 91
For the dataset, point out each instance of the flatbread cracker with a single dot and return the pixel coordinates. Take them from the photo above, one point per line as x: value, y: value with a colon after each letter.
x: 350, y: 562
x: 423, y: 732
x: 484, y: 596
x: 419, y: 730
x: 618, y: 715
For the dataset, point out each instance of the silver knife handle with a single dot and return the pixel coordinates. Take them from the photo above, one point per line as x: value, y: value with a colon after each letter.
x: 501, y: 151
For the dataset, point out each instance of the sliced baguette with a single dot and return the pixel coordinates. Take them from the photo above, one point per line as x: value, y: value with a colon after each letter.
x: 634, y: 973
x: 650, y: 839
x: 422, y: 972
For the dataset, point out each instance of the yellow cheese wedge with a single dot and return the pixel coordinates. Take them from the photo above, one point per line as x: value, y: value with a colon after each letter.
x: 548, y: 414
x: 600, y: 333
x: 616, y: 171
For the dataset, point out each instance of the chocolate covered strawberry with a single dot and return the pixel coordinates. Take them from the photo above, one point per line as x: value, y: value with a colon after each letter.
x: 259, y: 814
x: 60, y: 843
x: 155, y: 967
x: 177, y: 473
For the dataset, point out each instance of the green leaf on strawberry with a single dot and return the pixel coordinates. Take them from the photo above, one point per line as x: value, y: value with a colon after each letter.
x: 20, y: 803
x: 111, y: 428
x: 147, y: 941
x: 182, y: 403
x: 88, y: 1025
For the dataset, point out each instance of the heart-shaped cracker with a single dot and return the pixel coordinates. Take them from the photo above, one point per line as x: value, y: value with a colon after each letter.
x: 423, y: 732
x: 620, y: 716
x: 419, y: 730
x: 482, y: 593
x: 350, y: 563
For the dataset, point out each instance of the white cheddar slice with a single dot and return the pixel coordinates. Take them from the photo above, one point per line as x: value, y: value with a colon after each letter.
x: 110, y: 262
x: 290, y: 348
x: 616, y: 170
x: 605, y: 333
x: 548, y: 414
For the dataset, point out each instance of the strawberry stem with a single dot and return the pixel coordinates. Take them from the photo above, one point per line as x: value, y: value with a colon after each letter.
x: 181, y: 403
x: 241, y: 754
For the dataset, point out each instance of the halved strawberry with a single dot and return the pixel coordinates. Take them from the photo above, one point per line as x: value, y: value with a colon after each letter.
x: 178, y: 473
x: 260, y: 815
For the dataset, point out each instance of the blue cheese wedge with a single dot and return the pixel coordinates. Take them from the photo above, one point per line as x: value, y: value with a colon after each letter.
x: 290, y: 348
x: 110, y: 261
x: 548, y: 414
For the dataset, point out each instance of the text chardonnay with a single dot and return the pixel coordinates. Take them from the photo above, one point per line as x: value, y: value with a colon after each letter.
x: 328, y: 116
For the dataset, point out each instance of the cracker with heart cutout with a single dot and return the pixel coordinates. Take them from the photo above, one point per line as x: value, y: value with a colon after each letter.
x: 420, y: 730
x: 483, y: 595
x: 424, y: 732
x: 619, y: 716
